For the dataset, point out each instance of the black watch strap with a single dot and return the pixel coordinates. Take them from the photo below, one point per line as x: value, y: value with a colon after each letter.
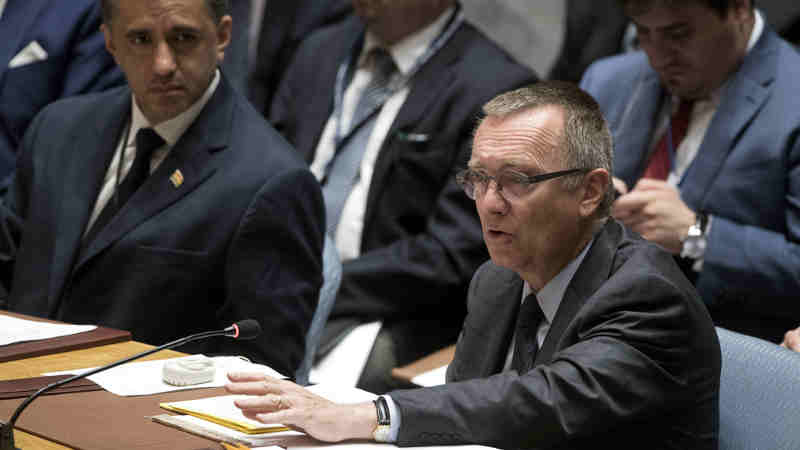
x: 382, y: 410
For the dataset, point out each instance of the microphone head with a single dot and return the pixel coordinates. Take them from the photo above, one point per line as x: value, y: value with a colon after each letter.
x: 247, y: 329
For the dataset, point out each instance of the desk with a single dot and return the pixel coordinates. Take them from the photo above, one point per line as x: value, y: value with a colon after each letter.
x: 91, y: 357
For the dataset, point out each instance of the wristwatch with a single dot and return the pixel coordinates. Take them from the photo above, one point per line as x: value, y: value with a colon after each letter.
x: 381, y: 433
x: 694, y: 245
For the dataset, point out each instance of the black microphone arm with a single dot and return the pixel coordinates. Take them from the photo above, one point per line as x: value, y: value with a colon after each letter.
x: 244, y: 330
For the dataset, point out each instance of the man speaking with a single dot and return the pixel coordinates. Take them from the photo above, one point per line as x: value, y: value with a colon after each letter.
x: 579, y: 334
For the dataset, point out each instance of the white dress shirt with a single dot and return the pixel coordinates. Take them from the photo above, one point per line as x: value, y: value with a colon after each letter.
x: 404, y: 53
x: 2, y: 7
x: 170, y: 131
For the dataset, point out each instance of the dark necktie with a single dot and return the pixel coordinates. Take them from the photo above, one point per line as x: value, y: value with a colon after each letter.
x: 659, y: 165
x: 525, y: 346
x: 147, y: 140
x: 344, y: 169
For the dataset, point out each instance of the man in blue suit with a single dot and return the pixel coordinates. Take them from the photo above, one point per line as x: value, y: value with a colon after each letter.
x: 50, y: 49
x: 706, y: 122
x: 172, y: 207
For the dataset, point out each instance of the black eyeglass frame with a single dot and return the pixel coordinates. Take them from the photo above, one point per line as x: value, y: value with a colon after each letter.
x: 528, y: 179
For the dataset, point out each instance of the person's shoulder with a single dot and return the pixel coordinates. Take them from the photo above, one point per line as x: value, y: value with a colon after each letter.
x: 77, y: 109
x: 489, y: 63
x: 257, y: 140
x: 611, y: 68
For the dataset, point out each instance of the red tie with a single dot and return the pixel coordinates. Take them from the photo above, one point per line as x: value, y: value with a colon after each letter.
x: 659, y: 165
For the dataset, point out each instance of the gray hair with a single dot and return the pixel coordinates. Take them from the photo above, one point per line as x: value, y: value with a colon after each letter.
x: 217, y: 8
x: 587, y: 139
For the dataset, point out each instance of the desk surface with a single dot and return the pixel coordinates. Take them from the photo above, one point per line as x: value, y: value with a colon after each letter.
x: 91, y: 357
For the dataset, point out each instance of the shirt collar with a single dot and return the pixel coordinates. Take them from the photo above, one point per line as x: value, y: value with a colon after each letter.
x: 406, y: 51
x: 551, y: 295
x: 2, y: 7
x: 172, y: 130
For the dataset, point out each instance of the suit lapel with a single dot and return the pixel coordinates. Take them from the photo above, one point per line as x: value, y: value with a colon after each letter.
x: 636, y: 126
x: 322, y: 102
x: 427, y: 87
x: 83, y: 179
x: 16, y: 21
x: 742, y: 99
x: 592, y: 273
x: 488, y: 348
x: 191, y: 155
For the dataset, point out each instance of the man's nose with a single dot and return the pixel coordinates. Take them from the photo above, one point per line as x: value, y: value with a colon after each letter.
x: 164, y: 63
x: 492, y: 199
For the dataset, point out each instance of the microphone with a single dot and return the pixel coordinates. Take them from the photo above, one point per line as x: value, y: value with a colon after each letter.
x: 244, y: 330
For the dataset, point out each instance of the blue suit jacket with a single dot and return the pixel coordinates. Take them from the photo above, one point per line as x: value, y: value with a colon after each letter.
x: 77, y: 63
x: 240, y: 237
x: 746, y: 174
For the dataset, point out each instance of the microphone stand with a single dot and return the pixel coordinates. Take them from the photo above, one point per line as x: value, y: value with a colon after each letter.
x: 7, y: 429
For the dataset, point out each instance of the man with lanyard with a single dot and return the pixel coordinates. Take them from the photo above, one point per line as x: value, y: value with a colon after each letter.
x: 706, y: 121
x: 383, y: 109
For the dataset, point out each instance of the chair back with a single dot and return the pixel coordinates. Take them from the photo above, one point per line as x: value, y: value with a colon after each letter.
x: 759, y: 399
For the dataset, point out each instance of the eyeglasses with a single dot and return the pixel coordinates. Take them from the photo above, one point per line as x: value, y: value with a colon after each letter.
x: 511, y: 185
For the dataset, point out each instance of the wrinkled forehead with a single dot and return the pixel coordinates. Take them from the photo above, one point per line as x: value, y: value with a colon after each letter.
x: 526, y: 138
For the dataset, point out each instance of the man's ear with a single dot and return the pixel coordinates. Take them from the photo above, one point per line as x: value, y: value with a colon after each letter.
x: 595, y: 186
x: 224, y: 33
x: 109, y: 42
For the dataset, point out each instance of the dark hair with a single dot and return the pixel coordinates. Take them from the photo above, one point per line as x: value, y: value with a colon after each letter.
x: 217, y: 8
x: 721, y: 7
x: 587, y: 141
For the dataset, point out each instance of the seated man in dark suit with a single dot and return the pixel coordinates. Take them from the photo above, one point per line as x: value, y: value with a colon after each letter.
x: 706, y: 122
x: 408, y: 239
x: 49, y: 49
x: 612, y: 346
x: 171, y: 207
x: 284, y: 25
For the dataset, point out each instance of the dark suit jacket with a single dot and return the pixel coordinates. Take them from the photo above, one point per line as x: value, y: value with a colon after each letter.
x: 284, y: 26
x: 746, y: 175
x: 421, y: 240
x: 77, y: 63
x: 240, y: 238
x: 631, y: 361
x: 594, y: 30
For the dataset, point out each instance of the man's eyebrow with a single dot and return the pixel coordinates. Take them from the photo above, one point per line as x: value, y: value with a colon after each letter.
x: 184, y: 29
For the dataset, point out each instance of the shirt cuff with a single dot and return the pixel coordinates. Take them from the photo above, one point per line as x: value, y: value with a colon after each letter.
x: 395, y: 419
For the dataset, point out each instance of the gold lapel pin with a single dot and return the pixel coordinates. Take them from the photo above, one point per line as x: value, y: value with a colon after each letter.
x: 176, y: 178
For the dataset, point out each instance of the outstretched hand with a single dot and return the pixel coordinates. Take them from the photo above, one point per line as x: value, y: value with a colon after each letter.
x: 281, y: 401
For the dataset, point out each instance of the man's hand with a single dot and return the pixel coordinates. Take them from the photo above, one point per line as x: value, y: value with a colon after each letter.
x: 655, y: 210
x: 791, y: 340
x: 281, y: 401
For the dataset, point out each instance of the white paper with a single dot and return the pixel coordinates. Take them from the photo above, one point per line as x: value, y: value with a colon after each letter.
x: 430, y: 378
x: 346, y: 361
x: 13, y: 330
x: 144, y: 378
x: 219, y: 432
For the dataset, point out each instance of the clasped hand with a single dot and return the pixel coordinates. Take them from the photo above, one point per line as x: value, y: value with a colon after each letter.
x: 655, y: 210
